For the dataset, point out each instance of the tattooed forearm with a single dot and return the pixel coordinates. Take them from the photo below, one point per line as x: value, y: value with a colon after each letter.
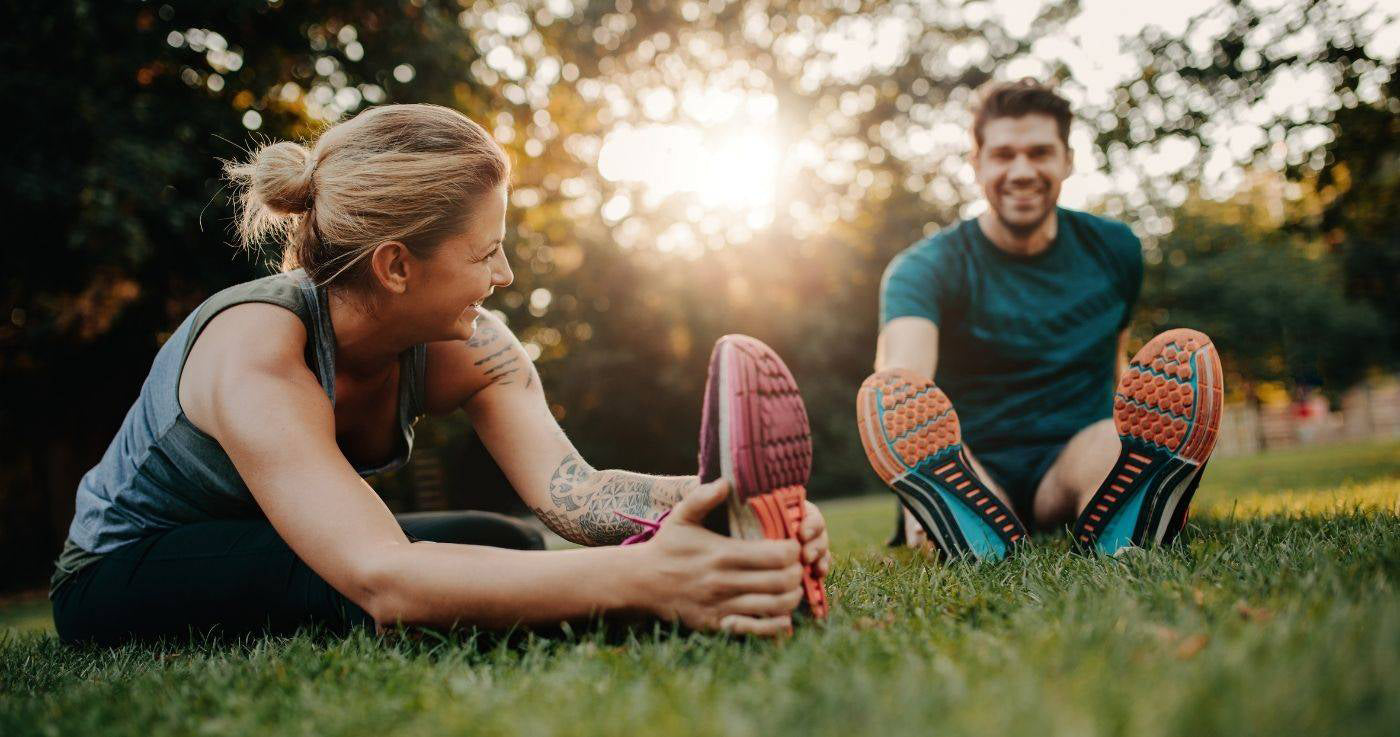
x: 572, y: 472
x: 584, y: 502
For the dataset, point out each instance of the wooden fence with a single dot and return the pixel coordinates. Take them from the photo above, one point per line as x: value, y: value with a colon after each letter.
x: 1368, y: 412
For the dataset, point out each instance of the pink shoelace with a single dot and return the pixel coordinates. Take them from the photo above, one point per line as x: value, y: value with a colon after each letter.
x: 649, y: 527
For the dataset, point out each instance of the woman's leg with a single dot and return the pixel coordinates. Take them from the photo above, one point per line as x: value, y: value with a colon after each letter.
x: 237, y: 577
x: 229, y: 577
x: 471, y: 528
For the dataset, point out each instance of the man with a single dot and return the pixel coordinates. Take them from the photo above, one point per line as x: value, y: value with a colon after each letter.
x: 1020, y: 316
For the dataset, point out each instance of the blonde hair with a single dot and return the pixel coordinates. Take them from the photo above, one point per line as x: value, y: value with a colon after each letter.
x: 407, y: 173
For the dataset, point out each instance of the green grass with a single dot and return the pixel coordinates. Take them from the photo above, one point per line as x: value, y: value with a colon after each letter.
x: 1279, y: 615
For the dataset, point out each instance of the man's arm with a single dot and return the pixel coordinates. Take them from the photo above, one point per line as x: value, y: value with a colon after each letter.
x: 909, y: 343
x: 493, y: 379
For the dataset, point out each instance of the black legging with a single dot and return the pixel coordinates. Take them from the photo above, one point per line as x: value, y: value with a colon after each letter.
x: 236, y: 577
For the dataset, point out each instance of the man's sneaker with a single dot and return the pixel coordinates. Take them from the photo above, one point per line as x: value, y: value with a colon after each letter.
x: 912, y: 438
x: 754, y: 433
x: 1167, y: 410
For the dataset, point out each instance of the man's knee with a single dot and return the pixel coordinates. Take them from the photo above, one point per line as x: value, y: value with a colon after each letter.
x: 1076, y: 473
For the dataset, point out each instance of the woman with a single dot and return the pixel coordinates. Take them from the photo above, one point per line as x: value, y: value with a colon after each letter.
x: 232, y: 497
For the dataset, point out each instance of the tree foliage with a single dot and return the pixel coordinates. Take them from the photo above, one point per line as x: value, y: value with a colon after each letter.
x: 125, y: 108
x: 1235, y: 85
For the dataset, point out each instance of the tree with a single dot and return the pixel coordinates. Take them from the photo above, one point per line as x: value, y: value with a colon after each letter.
x: 1234, y: 85
x: 1276, y: 311
x: 857, y: 108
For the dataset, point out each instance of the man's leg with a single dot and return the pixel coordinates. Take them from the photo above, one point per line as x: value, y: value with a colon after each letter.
x: 1076, y: 474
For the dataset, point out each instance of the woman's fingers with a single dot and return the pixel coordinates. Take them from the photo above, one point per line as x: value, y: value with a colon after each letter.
x: 824, y: 567
x: 813, y: 524
x: 815, y: 548
x: 738, y: 624
x: 777, y: 581
x: 694, y: 506
x: 763, y: 605
x: 758, y: 554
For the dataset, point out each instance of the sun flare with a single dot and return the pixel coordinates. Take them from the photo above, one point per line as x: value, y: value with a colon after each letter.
x: 712, y: 150
x: 734, y: 172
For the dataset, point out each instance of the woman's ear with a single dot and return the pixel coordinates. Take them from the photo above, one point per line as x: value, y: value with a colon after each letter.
x: 391, y: 263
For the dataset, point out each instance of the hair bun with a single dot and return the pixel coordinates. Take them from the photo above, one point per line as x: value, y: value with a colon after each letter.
x: 282, y: 174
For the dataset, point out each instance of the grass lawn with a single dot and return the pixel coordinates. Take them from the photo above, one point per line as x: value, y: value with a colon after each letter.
x: 1279, y: 615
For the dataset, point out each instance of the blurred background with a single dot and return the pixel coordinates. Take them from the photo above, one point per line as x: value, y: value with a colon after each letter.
x: 686, y: 169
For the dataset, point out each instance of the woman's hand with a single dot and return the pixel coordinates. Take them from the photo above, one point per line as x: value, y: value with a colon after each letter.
x: 816, y: 548
x: 712, y: 582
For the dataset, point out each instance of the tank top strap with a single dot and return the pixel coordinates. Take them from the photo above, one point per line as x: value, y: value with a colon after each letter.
x: 321, y: 337
x: 415, y: 379
x: 412, y: 368
x: 281, y: 289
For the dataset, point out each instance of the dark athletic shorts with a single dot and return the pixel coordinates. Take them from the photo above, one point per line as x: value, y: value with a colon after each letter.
x: 1018, y: 471
x: 236, y: 577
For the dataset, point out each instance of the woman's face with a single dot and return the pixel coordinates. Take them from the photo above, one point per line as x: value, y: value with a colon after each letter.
x: 464, y: 270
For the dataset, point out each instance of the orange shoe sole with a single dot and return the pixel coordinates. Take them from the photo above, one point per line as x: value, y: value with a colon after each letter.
x: 1167, y: 411
x: 913, y: 440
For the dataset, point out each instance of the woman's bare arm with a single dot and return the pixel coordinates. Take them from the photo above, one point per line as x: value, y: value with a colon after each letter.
x: 502, y: 393
x: 493, y: 378
x: 585, y: 505
x: 247, y: 385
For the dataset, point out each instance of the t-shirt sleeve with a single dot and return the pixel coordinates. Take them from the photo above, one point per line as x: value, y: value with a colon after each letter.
x: 910, y: 286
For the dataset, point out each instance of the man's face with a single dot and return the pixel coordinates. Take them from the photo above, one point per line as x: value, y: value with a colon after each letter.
x: 1020, y: 167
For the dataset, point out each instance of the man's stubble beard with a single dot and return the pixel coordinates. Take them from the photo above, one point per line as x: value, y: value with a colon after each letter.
x: 1023, y: 231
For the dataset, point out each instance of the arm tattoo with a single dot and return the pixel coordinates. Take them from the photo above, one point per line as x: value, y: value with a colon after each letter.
x: 480, y: 361
x: 503, y: 367
x: 487, y: 333
x: 571, y: 472
x: 584, y: 502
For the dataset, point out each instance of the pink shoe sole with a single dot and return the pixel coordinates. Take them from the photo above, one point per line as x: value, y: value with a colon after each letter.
x: 754, y: 432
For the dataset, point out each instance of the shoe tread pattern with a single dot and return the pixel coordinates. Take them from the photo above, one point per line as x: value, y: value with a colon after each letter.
x: 1167, y: 411
x: 771, y: 445
x: 908, y: 426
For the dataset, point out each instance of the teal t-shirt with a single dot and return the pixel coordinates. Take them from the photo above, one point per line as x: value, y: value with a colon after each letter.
x: 1026, y: 344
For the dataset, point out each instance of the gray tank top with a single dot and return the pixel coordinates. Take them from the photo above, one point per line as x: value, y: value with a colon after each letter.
x: 161, y: 471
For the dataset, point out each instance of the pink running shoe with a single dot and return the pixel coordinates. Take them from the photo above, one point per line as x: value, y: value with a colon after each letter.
x: 754, y: 432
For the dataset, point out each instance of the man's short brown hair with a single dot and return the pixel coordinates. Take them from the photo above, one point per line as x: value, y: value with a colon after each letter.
x: 1016, y: 99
